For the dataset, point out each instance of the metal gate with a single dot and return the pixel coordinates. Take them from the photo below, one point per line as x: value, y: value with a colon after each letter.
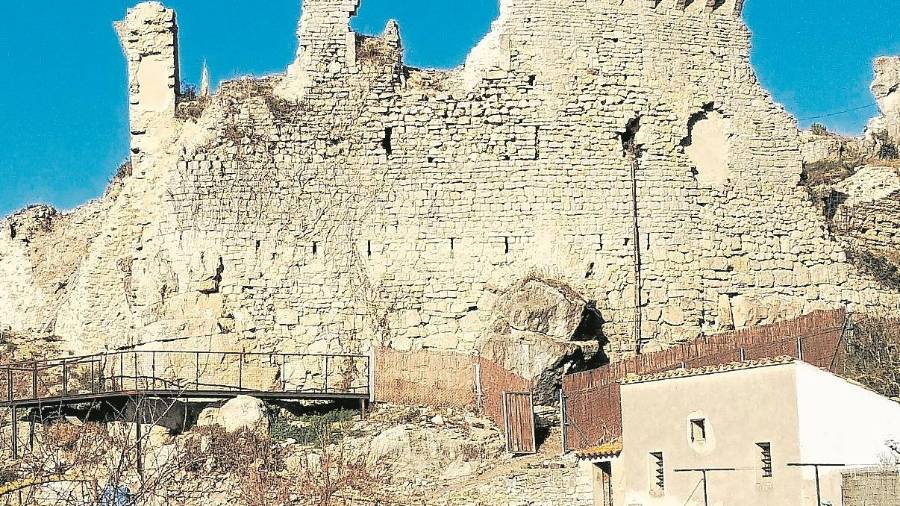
x: 518, y: 416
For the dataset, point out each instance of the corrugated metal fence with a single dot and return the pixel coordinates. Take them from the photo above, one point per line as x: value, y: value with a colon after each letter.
x: 593, y: 412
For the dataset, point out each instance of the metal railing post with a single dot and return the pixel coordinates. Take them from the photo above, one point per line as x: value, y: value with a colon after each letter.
x: 136, y: 375
x: 9, y: 384
x: 65, y: 375
x: 326, y: 373
x: 153, y: 368
x: 34, y: 381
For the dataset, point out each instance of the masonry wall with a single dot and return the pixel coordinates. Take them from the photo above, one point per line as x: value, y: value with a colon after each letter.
x: 354, y: 200
x: 871, y: 487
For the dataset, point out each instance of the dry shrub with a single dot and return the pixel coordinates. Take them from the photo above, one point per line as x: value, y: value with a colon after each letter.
x: 873, y: 354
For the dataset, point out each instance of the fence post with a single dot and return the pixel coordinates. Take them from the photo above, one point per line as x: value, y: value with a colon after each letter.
x: 479, y: 393
x: 799, y: 348
x: 9, y: 384
x: 34, y: 381
x: 371, y: 386
x: 563, y: 423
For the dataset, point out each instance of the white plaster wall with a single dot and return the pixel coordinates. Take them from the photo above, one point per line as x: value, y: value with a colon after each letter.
x: 840, y: 423
x: 741, y: 408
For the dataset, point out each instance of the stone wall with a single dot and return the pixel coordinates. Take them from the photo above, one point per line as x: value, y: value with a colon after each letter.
x: 613, y: 146
x: 873, y: 487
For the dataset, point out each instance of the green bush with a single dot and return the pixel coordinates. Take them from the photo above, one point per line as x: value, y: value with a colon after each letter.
x: 319, y: 429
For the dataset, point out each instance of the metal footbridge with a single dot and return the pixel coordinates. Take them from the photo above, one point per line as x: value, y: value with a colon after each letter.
x: 183, y: 375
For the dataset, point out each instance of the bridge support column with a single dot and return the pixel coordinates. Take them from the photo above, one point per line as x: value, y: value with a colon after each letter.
x: 13, y: 413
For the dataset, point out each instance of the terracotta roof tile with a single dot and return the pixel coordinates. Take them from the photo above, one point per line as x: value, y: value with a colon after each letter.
x: 712, y: 369
x: 612, y: 449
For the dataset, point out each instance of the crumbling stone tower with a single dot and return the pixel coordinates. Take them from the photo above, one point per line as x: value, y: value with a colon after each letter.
x: 149, y: 37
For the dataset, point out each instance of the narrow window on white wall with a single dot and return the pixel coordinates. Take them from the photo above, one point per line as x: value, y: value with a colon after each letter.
x: 765, y: 450
x: 657, y: 472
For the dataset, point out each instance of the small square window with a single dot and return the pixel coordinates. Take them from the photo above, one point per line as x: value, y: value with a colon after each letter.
x: 698, y: 430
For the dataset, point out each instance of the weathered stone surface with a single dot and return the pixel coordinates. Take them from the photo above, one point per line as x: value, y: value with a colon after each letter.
x: 240, y: 413
x: 382, y: 204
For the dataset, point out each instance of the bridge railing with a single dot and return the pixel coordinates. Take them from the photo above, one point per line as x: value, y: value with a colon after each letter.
x: 184, y: 371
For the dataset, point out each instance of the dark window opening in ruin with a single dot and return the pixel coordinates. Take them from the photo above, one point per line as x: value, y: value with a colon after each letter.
x: 258, y: 244
x: 386, y: 143
x: 698, y: 430
x: 506, y: 245
x: 12, y: 231
x: 315, y: 248
x: 452, y: 243
x: 531, y: 80
x: 629, y: 138
x: 430, y: 159
x: 369, y: 248
x: 590, y: 271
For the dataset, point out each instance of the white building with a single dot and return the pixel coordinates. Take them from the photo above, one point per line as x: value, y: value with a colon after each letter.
x: 761, y: 423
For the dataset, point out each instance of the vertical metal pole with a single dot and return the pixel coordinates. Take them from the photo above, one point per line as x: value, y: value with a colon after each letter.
x: 818, y: 491
x: 362, y: 409
x: 799, y: 348
x: 139, y: 457
x: 326, y: 373
x: 9, y: 384
x: 136, y: 375
x: 196, y: 370
x: 153, y: 368
x: 93, y: 381
x: 562, y: 420
x: 65, y: 366
x: 121, y: 372
x: 31, y: 432
x: 34, y: 381
x: 14, y: 414
x: 705, y: 491
x: 479, y: 394
x: 370, y: 388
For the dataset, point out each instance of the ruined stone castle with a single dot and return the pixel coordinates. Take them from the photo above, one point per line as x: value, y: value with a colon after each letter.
x: 617, y: 155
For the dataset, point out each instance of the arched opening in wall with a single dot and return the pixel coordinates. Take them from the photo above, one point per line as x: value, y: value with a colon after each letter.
x: 707, y: 146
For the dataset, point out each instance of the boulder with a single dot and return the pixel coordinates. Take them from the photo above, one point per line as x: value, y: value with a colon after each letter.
x: 542, y: 306
x: 543, y: 328
x: 242, y: 412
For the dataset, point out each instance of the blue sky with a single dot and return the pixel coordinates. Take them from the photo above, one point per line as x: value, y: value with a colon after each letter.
x: 63, y: 107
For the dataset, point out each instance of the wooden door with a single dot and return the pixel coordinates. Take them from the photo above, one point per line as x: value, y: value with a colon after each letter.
x: 518, y: 414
